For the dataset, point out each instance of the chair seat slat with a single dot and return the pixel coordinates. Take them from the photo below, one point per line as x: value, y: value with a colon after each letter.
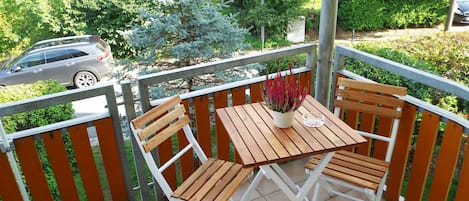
x: 212, y: 181
x: 224, y: 181
x: 358, y: 167
x: 234, y: 184
x: 345, y: 174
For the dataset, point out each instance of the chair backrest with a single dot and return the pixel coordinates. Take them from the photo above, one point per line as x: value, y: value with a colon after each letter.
x: 379, y: 100
x: 158, y: 125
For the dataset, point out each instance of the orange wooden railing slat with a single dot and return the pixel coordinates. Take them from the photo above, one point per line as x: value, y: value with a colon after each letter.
x: 32, y: 169
x: 223, y: 141
x: 384, y: 129
x: 165, y: 151
x: 58, y: 159
x: 462, y: 194
x: 238, y: 98
x: 187, y: 160
x: 8, y: 187
x: 422, y: 155
x: 401, y: 152
x: 446, y: 163
x: 202, y: 121
x: 85, y: 162
x: 367, y: 124
x: 111, y: 159
x: 256, y: 91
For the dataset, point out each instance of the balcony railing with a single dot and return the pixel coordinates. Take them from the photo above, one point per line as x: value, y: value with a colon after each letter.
x: 433, y: 138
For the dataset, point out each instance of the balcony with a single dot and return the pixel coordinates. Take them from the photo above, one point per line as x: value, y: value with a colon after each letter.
x: 430, y: 160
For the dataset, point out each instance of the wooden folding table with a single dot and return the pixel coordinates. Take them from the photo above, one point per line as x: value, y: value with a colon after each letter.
x: 260, y: 144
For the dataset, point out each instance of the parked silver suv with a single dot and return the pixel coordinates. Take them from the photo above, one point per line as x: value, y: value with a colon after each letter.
x: 78, y: 61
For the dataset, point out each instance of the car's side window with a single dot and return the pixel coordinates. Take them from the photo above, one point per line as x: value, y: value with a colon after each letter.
x: 59, y: 55
x: 56, y: 55
x: 76, y: 53
x: 32, y: 60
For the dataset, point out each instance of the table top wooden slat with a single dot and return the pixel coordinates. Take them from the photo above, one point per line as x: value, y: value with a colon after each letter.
x: 346, y: 132
x: 267, y: 149
x: 233, y: 132
x: 279, y: 133
x: 251, y: 143
x: 272, y: 139
x: 251, y: 128
x: 310, y: 135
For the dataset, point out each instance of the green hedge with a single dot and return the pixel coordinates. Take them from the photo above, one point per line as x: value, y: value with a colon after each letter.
x: 383, y: 14
x: 40, y: 117
x: 443, y: 54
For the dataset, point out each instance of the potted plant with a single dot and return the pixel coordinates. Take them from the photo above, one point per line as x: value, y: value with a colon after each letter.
x: 284, y: 95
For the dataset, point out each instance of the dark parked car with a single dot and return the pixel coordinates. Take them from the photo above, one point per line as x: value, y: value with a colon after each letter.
x: 461, y: 14
x: 78, y: 61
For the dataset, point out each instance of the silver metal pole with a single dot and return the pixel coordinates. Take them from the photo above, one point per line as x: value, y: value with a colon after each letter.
x: 262, y: 33
x: 13, y: 165
x: 326, y: 46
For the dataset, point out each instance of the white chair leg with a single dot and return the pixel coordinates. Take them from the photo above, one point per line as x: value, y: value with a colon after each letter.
x: 379, y: 192
x: 315, y: 192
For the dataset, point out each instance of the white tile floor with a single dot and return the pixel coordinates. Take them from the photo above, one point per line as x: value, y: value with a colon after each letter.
x: 268, y: 191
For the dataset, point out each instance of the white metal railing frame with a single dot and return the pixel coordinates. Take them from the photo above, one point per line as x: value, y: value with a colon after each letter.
x: 106, y: 90
x: 408, y: 72
x: 205, y: 68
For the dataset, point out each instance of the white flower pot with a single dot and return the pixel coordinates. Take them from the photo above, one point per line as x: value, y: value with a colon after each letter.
x: 283, y: 120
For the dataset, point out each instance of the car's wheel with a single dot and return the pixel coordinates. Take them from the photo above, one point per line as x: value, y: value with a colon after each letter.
x: 84, y: 79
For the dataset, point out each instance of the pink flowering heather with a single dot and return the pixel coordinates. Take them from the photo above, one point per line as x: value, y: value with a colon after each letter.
x: 284, y: 94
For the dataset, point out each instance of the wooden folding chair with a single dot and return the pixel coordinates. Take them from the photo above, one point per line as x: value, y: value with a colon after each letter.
x: 213, y: 180
x: 362, y: 173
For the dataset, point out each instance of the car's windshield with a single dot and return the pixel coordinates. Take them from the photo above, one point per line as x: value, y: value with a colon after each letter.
x: 6, y: 63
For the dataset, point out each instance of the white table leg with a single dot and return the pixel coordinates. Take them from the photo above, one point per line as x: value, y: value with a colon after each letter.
x: 253, y: 185
x: 280, y: 182
x: 279, y: 177
x: 314, y: 175
x: 285, y: 177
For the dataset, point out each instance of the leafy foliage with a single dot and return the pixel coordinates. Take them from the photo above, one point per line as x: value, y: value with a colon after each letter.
x: 108, y: 18
x: 273, y: 14
x: 28, y: 21
x: 448, y: 52
x: 189, y: 30
x: 40, y: 117
x: 443, y: 54
x: 383, y: 14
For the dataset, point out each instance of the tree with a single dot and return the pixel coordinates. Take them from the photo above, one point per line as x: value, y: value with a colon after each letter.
x: 274, y: 15
x: 191, y: 31
x: 21, y: 22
